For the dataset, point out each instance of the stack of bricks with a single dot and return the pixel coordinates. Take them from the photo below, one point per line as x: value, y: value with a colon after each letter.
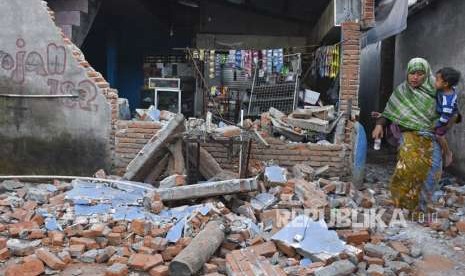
x: 350, y: 69
x: 368, y: 14
x: 131, y: 137
x: 287, y: 155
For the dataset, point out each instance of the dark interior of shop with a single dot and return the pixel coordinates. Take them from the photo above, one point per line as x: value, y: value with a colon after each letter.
x: 128, y: 38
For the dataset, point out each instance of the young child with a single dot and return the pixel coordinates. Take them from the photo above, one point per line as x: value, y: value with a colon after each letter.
x: 446, y: 105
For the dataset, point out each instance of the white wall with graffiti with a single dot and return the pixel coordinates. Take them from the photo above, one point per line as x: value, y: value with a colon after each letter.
x: 54, y: 118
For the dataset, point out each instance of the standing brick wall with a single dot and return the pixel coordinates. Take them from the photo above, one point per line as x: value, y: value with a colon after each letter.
x: 288, y: 155
x: 350, y: 69
x: 131, y: 137
x: 368, y: 14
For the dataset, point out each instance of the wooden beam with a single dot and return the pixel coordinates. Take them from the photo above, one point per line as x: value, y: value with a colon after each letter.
x: 154, y: 150
x: 190, y: 260
x: 158, y: 169
x: 209, y: 189
x: 176, y: 152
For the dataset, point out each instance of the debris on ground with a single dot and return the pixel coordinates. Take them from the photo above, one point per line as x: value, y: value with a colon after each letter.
x: 230, y: 227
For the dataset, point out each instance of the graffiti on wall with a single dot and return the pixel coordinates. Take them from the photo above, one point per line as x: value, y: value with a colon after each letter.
x: 49, y: 65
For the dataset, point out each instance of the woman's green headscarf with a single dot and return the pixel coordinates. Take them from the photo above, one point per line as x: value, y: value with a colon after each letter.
x: 414, y: 108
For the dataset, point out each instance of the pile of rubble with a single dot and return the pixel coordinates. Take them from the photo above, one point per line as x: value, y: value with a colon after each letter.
x: 256, y: 226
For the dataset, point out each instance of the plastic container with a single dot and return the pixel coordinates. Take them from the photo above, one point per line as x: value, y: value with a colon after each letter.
x: 377, y: 145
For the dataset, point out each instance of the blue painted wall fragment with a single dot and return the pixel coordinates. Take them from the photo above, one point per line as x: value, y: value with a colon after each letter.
x: 359, y: 154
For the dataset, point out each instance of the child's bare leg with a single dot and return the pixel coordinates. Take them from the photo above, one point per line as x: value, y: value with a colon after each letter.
x: 446, y: 153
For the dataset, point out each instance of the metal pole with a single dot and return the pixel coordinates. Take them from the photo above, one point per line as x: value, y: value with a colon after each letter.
x: 251, y: 91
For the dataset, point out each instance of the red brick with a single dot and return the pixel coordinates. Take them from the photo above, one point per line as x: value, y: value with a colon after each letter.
x: 65, y: 257
x: 209, y: 268
x: 145, y: 250
x: 144, y: 261
x: 160, y: 270
x: 57, y: 238
x: 118, y: 259
x: 89, y: 243
x: 74, y: 230
x: 36, y: 234
x: 114, y: 238
x: 4, y: 254
x: 286, y: 250
x: 34, y: 267
x: 139, y: 226
x: 76, y: 250
x: 50, y: 259
x: 16, y: 228
x: 95, y: 230
x: 460, y: 226
x: 372, y: 260
x: 171, y: 252
x: 356, y: 237
x: 158, y: 244
x: 266, y: 249
x: 119, y: 229
x: 3, y: 242
x: 399, y: 247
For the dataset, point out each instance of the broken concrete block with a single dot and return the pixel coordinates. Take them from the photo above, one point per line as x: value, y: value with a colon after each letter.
x: 399, y: 267
x: 375, y: 270
x: 310, y: 194
x: 380, y: 251
x: 41, y: 196
x: 22, y: 247
x: 263, y: 201
x: 76, y: 250
x: 399, y: 247
x: 275, y: 219
x: 158, y: 244
x: 103, y: 255
x: 312, y: 239
x: 117, y: 269
x: 89, y: 256
x: 65, y: 257
x: 238, y: 262
x: 275, y: 175
x: 228, y: 131
x: 172, y: 181
x: 339, y: 268
x: 10, y: 185
x: 303, y: 171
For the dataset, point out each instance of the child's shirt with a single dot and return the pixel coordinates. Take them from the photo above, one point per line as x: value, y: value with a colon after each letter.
x: 446, y: 106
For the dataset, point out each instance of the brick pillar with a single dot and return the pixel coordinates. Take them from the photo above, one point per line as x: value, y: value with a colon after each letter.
x: 350, y: 69
x: 368, y: 14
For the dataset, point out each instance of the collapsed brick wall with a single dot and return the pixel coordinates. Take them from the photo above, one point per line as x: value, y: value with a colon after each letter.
x: 287, y: 155
x: 130, y: 138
